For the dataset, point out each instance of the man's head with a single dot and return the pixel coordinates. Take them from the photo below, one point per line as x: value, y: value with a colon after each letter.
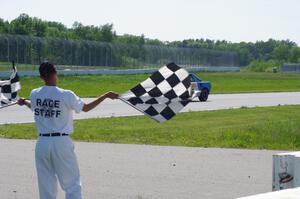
x: 48, y: 73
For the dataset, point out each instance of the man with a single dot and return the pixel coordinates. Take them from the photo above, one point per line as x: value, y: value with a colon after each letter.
x: 54, y: 153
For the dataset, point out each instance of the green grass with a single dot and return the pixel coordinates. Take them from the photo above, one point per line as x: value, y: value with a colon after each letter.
x: 89, y: 86
x: 245, y: 82
x: 27, y: 67
x: 6, y: 66
x: 259, y: 128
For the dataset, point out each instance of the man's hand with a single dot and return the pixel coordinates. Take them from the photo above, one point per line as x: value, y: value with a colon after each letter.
x: 21, y: 101
x: 112, y: 95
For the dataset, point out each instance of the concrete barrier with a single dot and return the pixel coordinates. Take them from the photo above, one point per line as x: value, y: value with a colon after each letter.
x: 286, y: 171
x: 283, y: 194
x: 6, y: 74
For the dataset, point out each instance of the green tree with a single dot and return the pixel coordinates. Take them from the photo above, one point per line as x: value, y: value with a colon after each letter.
x: 107, y: 32
x: 133, y: 47
x: 22, y: 25
x: 2, y: 26
x: 281, y: 52
x: 39, y: 27
x: 294, y: 56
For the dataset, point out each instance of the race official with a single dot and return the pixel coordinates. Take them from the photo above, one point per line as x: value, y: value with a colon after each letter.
x: 54, y: 153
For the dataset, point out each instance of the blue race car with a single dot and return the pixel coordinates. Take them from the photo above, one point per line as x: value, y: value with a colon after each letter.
x: 200, y: 88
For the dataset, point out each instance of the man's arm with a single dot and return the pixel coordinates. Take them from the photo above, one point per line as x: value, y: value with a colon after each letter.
x: 23, y: 101
x: 93, y: 104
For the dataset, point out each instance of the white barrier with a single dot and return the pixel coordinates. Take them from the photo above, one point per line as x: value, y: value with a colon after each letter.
x: 283, y: 194
x: 6, y: 74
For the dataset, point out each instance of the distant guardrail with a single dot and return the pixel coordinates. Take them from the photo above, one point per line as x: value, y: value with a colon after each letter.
x: 6, y: 74
x: 290, y: 68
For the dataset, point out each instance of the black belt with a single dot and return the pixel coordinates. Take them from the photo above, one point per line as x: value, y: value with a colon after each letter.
x: 53, y: 134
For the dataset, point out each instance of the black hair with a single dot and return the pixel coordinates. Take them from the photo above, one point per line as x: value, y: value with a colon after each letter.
x: 47, y: 69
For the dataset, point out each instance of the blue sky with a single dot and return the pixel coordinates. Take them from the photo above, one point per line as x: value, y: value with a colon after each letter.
x: 169, y: 20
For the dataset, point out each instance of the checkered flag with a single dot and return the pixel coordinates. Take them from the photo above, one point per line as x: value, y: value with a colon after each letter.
x: 163, y: 94
x: 9, y: 89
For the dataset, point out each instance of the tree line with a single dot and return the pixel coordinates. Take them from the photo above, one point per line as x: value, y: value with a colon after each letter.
x: 270, y: 51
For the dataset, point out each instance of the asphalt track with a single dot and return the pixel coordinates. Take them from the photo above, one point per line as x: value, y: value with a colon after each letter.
x: 109, y: 108
x: 120, y: 171
x: 114, y: 171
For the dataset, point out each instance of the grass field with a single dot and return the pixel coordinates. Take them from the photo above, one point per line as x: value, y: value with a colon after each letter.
x: 90, y: 86
x: 6, y: 66
x: 259, y: 128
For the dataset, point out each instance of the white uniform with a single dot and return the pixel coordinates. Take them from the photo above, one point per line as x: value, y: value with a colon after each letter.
x: 55, y: 158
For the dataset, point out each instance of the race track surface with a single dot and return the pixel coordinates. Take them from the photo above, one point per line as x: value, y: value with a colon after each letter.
x: 109, y: 108
x: 120, y: 171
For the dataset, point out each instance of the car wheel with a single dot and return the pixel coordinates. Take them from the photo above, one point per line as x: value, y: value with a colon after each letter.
x: 204, y: 95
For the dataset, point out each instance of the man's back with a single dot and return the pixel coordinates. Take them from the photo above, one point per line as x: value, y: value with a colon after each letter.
x: 52, y: 107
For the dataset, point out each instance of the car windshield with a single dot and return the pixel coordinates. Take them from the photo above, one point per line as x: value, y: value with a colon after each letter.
x: 194, y: 78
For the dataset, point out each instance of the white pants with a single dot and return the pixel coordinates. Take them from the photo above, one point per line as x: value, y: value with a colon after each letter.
x: 55, y: 159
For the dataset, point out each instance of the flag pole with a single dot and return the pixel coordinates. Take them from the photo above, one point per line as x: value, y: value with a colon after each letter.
x: 12, y: 104
x: 13, y: 65
x: 123, y: 100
